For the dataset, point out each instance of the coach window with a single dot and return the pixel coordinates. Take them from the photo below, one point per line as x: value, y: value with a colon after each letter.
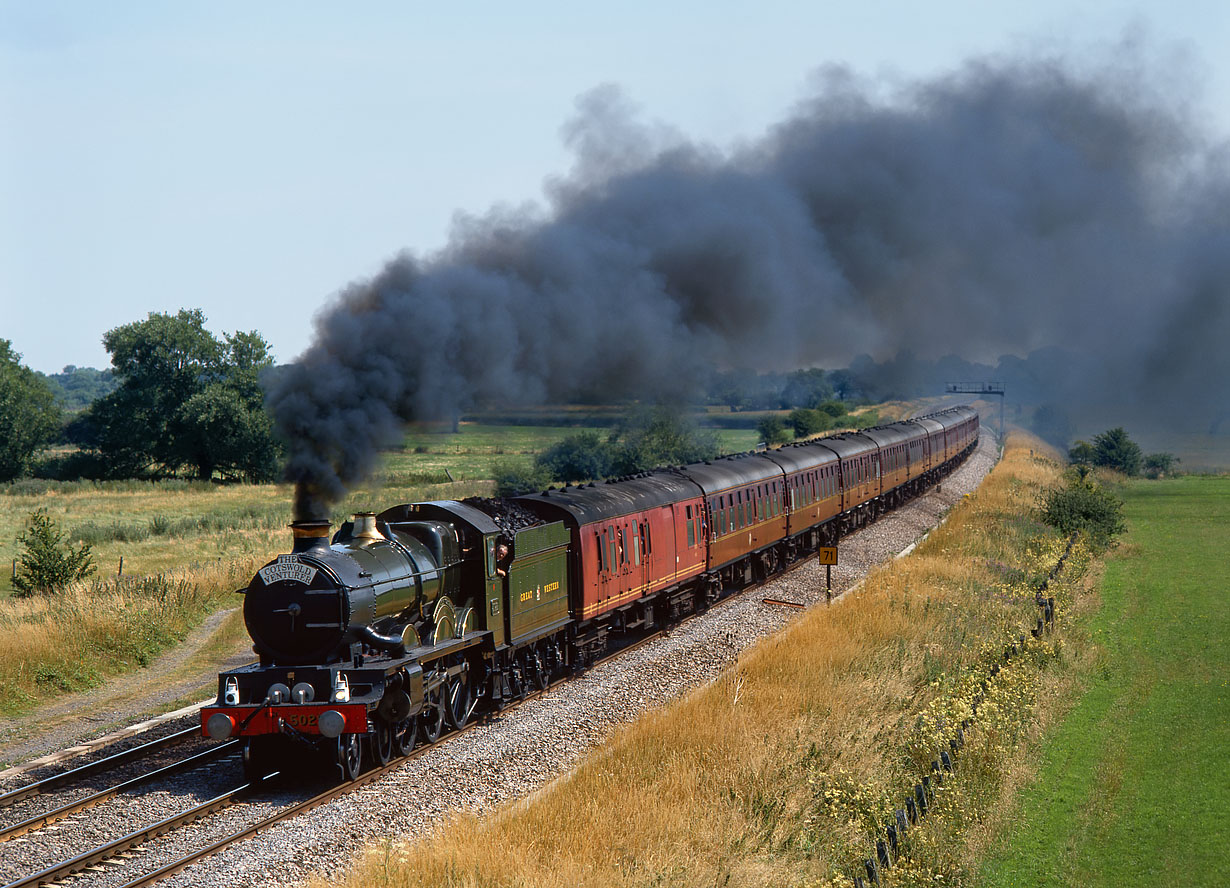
x: 691, y: 529
x: 601, y: 560
x: 612, y: 558
x: 636, y: 546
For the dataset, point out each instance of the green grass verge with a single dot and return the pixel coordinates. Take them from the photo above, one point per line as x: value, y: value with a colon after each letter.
x: 1133, y: 786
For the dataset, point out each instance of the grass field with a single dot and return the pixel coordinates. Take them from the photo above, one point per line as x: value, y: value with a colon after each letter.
x: 471, y: 452
x: 1133, y: 787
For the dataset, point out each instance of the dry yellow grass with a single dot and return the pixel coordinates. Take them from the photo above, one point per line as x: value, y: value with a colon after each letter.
x: 739, y: 782
x: 207, y: 524
x: 198, y: 543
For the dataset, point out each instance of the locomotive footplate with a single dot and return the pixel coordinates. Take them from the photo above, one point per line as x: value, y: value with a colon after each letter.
x: 254, y: 701
x: 220, y: 722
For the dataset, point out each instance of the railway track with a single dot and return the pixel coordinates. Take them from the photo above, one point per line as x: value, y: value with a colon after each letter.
x: 119, y: 850
x: 94, y: 859
x: 66, y: 779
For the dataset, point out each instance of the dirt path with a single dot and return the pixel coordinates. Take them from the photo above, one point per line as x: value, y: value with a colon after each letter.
x: 185, y: 674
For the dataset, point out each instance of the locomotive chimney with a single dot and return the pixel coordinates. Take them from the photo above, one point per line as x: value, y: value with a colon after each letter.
x: 309, y: 535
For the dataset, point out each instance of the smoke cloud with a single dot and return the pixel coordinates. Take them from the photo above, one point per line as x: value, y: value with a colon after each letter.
x: 1014, y: 205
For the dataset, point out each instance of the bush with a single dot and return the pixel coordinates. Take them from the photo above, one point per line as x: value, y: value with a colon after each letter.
x: 809, y: 422
x: 867, y: 419
x: 1082, y: 454
x: 772, y: 430
x: 514, y: 479
x: 659, y: 436
x: 1159, y: 464
x: 1084, y: 507
x: 834, y: 409
x: 48, y: 564
x: 583, y: 457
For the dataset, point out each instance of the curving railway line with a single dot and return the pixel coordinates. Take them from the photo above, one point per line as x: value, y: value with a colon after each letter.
x: 200, y: 785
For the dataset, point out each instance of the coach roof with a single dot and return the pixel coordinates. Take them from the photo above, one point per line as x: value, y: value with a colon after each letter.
x: 604, y: 500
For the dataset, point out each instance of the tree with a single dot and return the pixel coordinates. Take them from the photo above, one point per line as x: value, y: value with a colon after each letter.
x: 29, y: 417
x: 772, y: 430
x: 514, y: 479
x: 1115, y: 450
x: 1160, y: 464
x: 835, y: 409
x: 1082, y: 453
x: 582, y: 457
x: 77, y: 387
x: 48, y: 564
x: 185, y: 400
x: 806, y: 388
x: 809, y: 422
x: 659, y: 436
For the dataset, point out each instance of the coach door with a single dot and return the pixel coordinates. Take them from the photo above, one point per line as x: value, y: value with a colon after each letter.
x: 638, y: 530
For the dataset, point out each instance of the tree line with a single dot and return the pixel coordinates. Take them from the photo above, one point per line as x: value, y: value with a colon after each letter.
x: 177, y: 399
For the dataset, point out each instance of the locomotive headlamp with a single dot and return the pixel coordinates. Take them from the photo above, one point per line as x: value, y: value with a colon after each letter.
x: 331, y: 723
x: 303, y: 693
x: 341, y: 688
x: 220, y: 726
x: 278, y: 693
x: 231, y: 695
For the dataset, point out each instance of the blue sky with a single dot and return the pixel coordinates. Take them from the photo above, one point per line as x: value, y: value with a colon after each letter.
x: 252, y: 159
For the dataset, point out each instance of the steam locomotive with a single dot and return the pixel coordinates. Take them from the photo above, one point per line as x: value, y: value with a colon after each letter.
x: 410, y: 621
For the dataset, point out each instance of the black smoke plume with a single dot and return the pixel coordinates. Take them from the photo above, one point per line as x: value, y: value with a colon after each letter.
x: 1011, y: 206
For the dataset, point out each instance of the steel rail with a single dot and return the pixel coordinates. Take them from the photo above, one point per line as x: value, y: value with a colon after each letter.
x: 40, y: 821
x: 79, y: 773
x: 133, y: 839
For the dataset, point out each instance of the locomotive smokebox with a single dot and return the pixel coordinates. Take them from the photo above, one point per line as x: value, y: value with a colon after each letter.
x: 310, y: 535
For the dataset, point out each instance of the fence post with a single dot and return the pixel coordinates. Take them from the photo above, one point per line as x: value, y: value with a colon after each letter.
x: 120, y: 572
